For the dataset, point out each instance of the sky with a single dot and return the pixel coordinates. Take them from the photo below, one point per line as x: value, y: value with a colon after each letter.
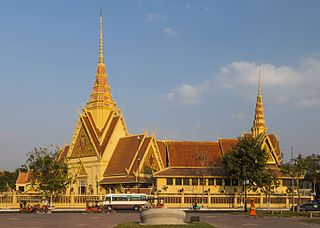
x: 185, y: 69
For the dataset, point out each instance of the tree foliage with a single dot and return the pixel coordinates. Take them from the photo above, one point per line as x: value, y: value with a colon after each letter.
x: 313, y: 171
x: 296, y: 168
x: 246, y: 161
x: 8, y: 180
x: 49, y: 176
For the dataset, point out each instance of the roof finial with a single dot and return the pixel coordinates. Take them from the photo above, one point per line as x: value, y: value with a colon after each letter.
x: 259, y: 82
x: 101, y: 40
x: 259, y: 122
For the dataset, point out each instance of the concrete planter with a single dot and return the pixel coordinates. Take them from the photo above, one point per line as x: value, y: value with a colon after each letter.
x: 163, y: 216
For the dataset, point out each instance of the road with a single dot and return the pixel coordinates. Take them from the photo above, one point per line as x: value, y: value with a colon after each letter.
x: 220, y: 220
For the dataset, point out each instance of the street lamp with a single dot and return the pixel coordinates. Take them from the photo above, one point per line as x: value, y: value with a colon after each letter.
x: 97, y: 184
x: 139, y: 139
x: 245, y: 182
x: 138, y: 175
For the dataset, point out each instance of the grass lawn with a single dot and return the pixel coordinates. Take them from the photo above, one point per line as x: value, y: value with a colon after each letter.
x: 276, y: 213
x: 189, y: 225
x: 311, y: 220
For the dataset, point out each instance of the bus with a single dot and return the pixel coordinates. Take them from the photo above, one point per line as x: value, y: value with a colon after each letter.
x: 125, y: 201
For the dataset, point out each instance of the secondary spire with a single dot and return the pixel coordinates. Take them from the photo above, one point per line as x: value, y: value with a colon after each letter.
x: 101, y: 40
x: 259, y: 122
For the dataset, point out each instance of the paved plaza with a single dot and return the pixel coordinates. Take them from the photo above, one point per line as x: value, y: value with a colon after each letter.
x: 15, y: 220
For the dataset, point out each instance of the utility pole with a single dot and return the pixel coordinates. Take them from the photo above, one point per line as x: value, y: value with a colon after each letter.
x: 292, y: 181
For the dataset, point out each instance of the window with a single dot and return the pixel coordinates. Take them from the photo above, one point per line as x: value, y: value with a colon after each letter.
x: 211, y: 181
x: 227, y: 182
x: 202, y: 181
x: 195, y: 181
x: 82, y: 190
x: 178, y: 181
x: 21, y: 189
x: 169, y: 181
x: 186, y: 181
x: 234, y: 182
x: 286, y: 182
x: 219, y: 181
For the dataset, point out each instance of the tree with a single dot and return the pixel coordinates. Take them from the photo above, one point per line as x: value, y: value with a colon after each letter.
x: 313, y: 171
x: 296, y: 168
x: 8, y: 180
x: 49, y: 176
x: 246, y: 161
x: 267, y: 182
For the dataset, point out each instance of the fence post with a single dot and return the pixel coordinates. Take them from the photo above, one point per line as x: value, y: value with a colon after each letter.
x: 235, y: 203
x: 182, y: 199
x: 72, y: 199
x: 14, y: 199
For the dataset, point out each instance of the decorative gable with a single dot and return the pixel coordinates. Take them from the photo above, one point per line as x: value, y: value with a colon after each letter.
x: 150, y: 163
x: 82, y: 171
x: 83, y: 146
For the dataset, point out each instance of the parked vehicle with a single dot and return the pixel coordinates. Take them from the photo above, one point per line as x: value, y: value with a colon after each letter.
x: 312, y: 205
x: 96, y: 206
x: 35, y: 205
x: 155, y: 202
x: 125, y: 201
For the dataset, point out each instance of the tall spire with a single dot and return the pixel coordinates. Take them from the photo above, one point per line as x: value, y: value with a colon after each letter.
x: 101, y: 97
x: 101, y: 40
x: 259, y: 122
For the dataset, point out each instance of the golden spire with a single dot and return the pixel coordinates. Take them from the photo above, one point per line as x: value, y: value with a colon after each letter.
x: 101, y: 97
x: 101, y: 40
x: 259, y: 122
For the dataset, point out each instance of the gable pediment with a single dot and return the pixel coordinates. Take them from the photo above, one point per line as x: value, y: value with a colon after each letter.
x: 83, y: 146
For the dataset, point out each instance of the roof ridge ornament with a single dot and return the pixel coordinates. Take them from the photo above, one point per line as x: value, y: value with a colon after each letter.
x: 259, y: 121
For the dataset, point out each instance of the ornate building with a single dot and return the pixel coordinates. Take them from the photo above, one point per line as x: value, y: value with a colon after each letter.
x: 105, y: 157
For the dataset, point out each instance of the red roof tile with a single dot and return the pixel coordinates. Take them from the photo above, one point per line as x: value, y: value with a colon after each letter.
x: 63, y: 153
x: 24, y: 177
x: 275, y: 143
x: 163, y: 152
x: 141, y: 154
x: 227, y: 144
x: 123, y: 155
x: 194, y: 154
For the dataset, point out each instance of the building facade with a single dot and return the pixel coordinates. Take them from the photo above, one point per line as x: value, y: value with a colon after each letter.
x: 105, y: 157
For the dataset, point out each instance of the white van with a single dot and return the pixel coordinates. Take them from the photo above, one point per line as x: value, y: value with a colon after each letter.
x: 125, y: 201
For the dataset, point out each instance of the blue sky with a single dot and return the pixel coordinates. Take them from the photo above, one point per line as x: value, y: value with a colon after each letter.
x: 186, y: 69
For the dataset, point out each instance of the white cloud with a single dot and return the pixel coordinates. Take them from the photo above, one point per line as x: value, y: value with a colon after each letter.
x: 170, y: 31
x: 187, y: 94
x: 298, y: 86
x: 285, y: 85
x: 150, y: 17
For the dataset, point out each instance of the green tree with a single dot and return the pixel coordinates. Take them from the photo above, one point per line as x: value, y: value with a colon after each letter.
x: 246, y: 161
x: 296, y: 168
x: 49, y: 176
x: 267, y: 182
x: 8, y: 180
x: 313, y: 171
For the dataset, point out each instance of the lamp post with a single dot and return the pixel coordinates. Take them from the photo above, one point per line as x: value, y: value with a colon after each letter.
x: 245, y: 182
x: 138, y: 175
x: 292, y: 182
x: 139, y: 140
x: 97, y: 184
